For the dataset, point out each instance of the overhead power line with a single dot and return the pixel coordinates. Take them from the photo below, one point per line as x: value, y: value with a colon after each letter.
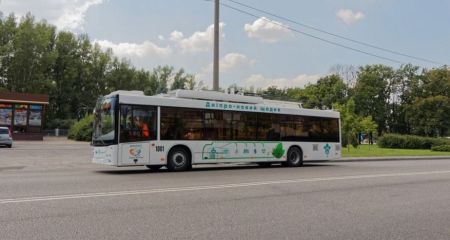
x: 310, y: 35
x: 335, y: 35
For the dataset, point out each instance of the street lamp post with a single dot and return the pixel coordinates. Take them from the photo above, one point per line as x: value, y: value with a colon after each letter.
x: 216, y: 47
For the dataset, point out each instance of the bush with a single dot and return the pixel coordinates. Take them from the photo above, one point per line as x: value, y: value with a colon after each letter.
x: 441, y: 148
x: 410, y: 141
x: 82, y: 130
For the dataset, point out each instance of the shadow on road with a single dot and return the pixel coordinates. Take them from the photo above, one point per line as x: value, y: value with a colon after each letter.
x: 205, y: 169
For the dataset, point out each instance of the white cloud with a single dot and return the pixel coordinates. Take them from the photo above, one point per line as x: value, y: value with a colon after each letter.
x: 176, y: 36
x: 233, y: 60
x: 74, y: 18
x: 144, y: 49
x: 260, y: 81
x: 349, y: 17
x: 65, y: 14
x: 198, y: 41
x: 229, y: 62
x: 267, y: 30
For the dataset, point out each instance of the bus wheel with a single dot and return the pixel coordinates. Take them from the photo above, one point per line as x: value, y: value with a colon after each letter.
x: 154, y: 167
x: 179, y: 160
x: 294, y: 157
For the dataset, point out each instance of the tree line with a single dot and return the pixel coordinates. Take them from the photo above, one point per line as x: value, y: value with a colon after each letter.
x: 36, y: 58
x: 407, y: 100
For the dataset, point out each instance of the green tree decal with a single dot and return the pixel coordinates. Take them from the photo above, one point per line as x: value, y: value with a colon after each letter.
x: 278, y: 151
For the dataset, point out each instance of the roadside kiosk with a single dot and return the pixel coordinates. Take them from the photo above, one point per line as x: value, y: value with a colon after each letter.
x: 24, y: 114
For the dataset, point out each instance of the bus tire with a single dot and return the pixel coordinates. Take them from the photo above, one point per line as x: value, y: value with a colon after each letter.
x: 154, y: 167
x: 294, y: 157
x: 179, y: 160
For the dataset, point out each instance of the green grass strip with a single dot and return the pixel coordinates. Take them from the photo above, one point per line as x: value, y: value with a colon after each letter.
x: 375, y: 151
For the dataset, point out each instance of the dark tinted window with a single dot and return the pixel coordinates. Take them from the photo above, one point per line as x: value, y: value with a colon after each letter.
x: 295, y: 128
x: 330, y: 130
x: 198, y: 124
x: 269, y: 127
x: 314, y: 129
x: 218, y: 125
x: 181, y: 124
x: 4, y: 131
x: 137, y: 123
x: 310, y: 129
x: 243, y: 126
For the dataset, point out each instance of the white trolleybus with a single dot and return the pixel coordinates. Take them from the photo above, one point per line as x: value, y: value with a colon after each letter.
x: 185, y: 128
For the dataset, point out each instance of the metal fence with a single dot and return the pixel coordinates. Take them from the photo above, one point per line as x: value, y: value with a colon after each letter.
x: 56, y: 132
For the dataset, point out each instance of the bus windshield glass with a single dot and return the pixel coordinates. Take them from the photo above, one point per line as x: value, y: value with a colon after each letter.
x: 104, y: 122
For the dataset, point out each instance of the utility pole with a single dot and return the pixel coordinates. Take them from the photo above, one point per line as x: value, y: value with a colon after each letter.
x: 216, y: 47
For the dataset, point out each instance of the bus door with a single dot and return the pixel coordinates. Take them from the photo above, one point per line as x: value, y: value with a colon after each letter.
x: 137, y: 130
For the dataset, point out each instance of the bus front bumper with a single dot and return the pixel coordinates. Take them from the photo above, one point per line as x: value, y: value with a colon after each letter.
x: 106, y: 155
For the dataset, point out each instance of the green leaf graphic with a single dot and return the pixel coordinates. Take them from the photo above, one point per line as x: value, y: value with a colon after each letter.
x: 278, y: 151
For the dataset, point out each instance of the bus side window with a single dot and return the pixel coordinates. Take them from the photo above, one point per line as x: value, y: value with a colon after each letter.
x: 330, y: 128
x: 269, y: 127
x: 244, y: 126
x: 211, y: 125
x: 181, y: 123
x: 315, y: 131
x: 137, y: 123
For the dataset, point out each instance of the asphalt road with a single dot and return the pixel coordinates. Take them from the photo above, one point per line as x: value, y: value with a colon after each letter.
x: 51, y: 191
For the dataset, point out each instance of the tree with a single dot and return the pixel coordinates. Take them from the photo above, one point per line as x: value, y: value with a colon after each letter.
x: 98, y: 66
x: 349, y: 123
x: 8, y: 29
x: 34, y: 58
x: 120, y: 75
x: 372, y: 93
x: 179, y: 80
x: 348, y: 73
x: 436, y: 82
x: 161, y: 77
x: 429, y: 112
x: 274, y: 93
x: 29, y: 61
x: 430, y: 116
x: 327, y: 91
x: 405, y: 88
x: 182, y: 80
x: 191, y: 82
x: 64, y: 76
x: 368, y: 126
x: 352, y: 124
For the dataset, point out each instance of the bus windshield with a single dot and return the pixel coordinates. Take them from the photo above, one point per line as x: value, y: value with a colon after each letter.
x: 104, y: 122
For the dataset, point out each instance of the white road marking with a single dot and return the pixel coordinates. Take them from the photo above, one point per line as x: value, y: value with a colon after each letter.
x: 210, y: 187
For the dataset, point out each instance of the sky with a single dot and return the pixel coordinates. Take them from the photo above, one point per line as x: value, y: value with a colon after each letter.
x: 258, y: 50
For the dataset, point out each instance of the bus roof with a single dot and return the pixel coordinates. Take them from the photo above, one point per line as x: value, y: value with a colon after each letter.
x: 219, y: 101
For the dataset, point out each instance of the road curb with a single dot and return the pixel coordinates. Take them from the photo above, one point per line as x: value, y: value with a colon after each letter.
x: 374, y: 159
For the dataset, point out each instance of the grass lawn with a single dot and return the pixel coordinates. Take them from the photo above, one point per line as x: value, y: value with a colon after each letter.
x: 375, y: 151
